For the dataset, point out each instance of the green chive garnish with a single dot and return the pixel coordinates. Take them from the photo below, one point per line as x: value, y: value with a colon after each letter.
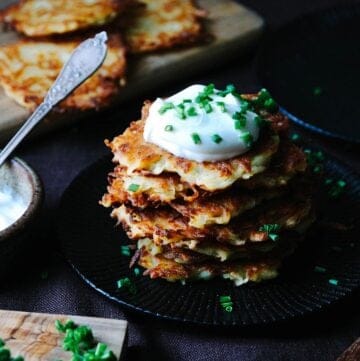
x: 317, y: 91
x: 126, y: 283
x: 259, y: 121
x: 125, y: 251
x: 187, y: 101
x: 319, y: 269
x: 191, y: 112
x: 216, y: 138
x: 226, y: 303
x: 247, y: 138
x: 169, y: 128
x: 133, y: 187
x: 295, y: 137
x: 137, y: 271
x: 196, y: 138
x: 273, y: 236
x: 333, y: 281
x: 166, y: 107
x: 221, y: 106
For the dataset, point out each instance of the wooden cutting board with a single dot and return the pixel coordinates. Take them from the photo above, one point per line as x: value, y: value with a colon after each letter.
x: 234, y: 28
x: 34, y: 336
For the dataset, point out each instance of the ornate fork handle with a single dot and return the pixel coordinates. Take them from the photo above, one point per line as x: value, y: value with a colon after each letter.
x: 83, y: 62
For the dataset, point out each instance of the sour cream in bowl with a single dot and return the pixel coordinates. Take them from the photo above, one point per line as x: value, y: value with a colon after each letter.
x: 21, y: 195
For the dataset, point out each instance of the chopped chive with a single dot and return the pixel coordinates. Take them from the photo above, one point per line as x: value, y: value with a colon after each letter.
x: 317, y: 90
x: 226, y: 303
x: 187, y: 101
x: 191, y: 112
x: 208, y: 108
x: 137, y: 271
x: 328, y: 181
x: 125, y: 251
x: 295, y: 137
x: 230, y: 88
x: 133, y: 187
x: 126, y: 283
x: 319, y: 269
x: 270, y: 228
x: 169, y: 128
x: 333, y: 281
x: 273, y: 236
x: 221, y: 106
x: 216, y: 138
x: 247, y: 138
x: 196, y: 138
x: 166, y: 107
x: 270, y: 105
x: 341, y: 183
x: 317, y: 169
x: 225, y: 299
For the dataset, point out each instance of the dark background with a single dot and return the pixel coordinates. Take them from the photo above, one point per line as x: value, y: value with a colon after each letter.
x: 59, y: 157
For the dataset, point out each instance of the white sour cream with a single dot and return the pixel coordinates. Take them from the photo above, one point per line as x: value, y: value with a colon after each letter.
x: 12, y: 207
x: 208, y: 126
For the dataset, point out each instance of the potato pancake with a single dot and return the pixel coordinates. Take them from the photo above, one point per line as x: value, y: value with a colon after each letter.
x: 28, y: 69
x: 163, y: 24
x: 131, y: 151
x: 166, y: 226
x: 158, y: 266
x: 47, y: 17
x: 166, y: 188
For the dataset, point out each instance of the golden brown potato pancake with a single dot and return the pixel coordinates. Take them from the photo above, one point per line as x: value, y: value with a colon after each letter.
x: 158, y: 266
x: 131, y: 151
x: 168, y: 187
x: 28, y: 69
x: 47, y: 17
x: 166, y: 226
x: 163, y: 24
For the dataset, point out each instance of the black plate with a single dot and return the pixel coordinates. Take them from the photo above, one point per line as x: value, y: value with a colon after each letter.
x: 91, y: 243
x: 311, y: 67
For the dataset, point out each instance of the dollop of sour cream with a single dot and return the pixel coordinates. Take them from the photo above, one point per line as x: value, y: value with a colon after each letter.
x: 12, y: 207
x: 203, y: 124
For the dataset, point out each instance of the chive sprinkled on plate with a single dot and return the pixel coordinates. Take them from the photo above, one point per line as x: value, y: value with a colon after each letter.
x: 169, y: 128
x: 295, y: 137
x: 333, y: 281
x: 196, y: 138
x: 319, y: 269
x: 133, y: 187
x: 125, y: 251
x: 127, y: 284
x: 226, y: 303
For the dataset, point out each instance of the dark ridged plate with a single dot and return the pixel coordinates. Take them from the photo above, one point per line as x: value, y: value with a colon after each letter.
x: 311, y: 67
x: 91, y: 243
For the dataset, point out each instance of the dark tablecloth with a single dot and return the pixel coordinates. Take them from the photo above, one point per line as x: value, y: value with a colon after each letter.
x: 59, y: 157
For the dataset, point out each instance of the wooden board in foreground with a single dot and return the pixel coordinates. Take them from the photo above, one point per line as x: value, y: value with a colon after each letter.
x: 233, y: 26
x: 34, y: 336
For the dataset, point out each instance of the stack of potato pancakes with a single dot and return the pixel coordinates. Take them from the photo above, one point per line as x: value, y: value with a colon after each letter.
x: 236, y: 218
